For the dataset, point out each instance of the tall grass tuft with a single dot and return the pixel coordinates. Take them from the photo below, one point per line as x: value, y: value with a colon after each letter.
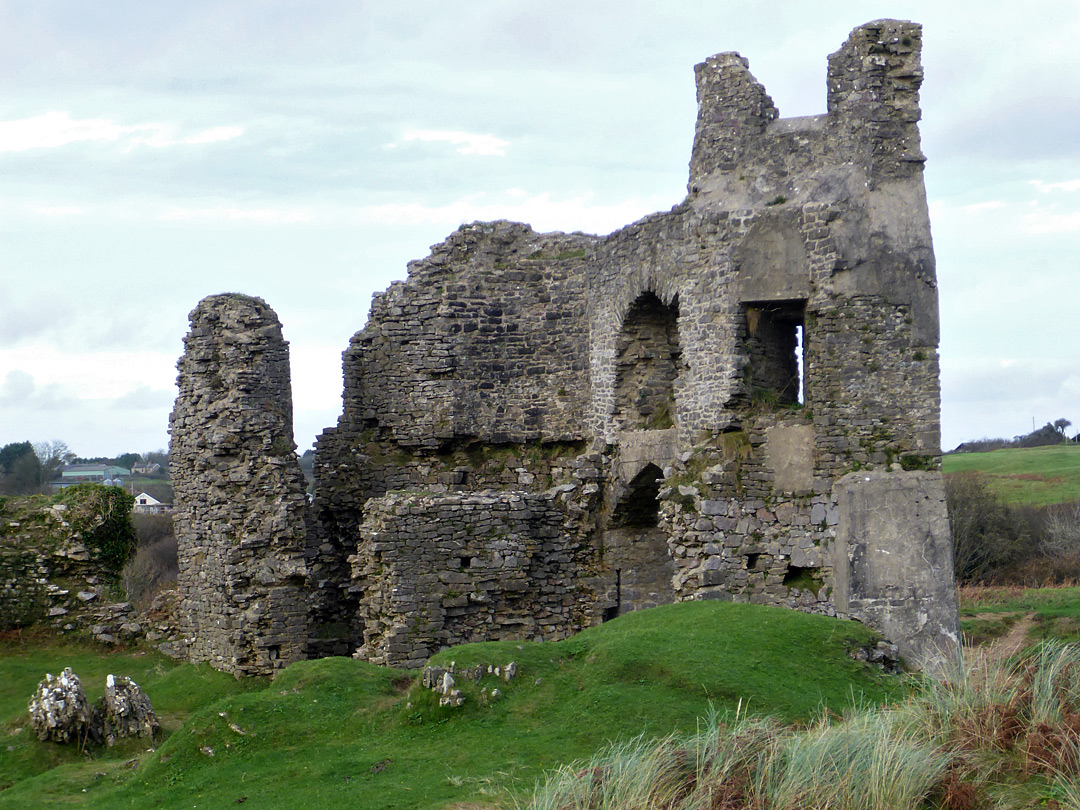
x: 638, y: 774
x: 859, y: 764
x: 971, y: 702
x: 1053, y: 675
x: 972, y: 736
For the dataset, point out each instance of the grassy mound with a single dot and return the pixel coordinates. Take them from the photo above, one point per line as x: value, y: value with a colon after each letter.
x: 991, y: 734
x: 342, y: 733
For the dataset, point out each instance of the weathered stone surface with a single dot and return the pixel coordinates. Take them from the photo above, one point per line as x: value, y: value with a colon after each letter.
x: 543, y: 431
x: 439, y: 570
x: 240, y: 502
x: 60, y: 712
x: 789, y: 451
x: 893, y: 563
x: 128, y: 712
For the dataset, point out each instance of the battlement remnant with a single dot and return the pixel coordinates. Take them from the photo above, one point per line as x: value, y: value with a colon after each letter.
x: 736, y: 399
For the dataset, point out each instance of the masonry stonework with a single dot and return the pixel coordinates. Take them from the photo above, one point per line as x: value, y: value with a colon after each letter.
x: 240, y: 502
x: 737, y: 399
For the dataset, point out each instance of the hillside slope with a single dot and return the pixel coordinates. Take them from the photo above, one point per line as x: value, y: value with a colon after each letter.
x: 1036, y: 476
x: 343, y: 733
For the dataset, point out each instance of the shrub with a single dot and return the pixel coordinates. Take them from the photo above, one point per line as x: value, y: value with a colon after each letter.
x: 1062, y: 534
x: 102, y: 515
x: 988, y: 536
x: 152, y: 528
x: 153, y: 568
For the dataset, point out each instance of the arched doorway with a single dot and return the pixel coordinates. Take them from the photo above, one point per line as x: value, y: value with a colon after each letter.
x: 647, y: 364
x: 635, y: 547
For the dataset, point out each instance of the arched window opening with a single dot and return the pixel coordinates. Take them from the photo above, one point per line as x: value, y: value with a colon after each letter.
x: 648, y: 360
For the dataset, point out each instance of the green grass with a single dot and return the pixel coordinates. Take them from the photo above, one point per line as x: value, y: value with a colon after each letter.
x: 24, y: 660
x: 984, y: 733
x: 1036, y: 476
x: 342, y: 733
x: 1056, y: 601
x: 1056, y: 612
x: 981, y: 631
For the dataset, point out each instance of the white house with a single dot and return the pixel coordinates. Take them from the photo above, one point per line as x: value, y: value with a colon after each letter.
x: 149, y: 505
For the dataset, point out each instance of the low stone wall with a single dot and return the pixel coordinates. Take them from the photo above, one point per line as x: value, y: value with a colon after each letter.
x: 434, y: 570
x: 50, y: 573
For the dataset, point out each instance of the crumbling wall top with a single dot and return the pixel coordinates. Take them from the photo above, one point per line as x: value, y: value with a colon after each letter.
x: 872, y: 112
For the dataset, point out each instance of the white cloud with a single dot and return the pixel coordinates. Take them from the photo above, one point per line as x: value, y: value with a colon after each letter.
x: 58, y: 210
x: 1045, y: 222
x: 234, y: 213
x: 989, y: 205
x: 1065, y: 185
x: 466, y: 142
x: 56, y: 129
x: 215, y: 134
x: 542, y: 211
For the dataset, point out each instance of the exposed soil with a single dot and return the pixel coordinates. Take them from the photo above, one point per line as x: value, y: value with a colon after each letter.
x: 1013, y: 641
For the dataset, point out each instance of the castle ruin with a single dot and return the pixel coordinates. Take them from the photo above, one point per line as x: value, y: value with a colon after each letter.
x: 736, y: 399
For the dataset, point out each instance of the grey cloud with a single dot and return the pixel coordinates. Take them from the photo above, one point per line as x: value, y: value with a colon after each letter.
x: 20, y: 391
x: 18, y: 386
x: 145, y: 398
x: 979, y: 381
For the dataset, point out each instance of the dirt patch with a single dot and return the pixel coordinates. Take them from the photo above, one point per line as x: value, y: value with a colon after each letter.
x: 1043, y: 479
x: 1013, y: 641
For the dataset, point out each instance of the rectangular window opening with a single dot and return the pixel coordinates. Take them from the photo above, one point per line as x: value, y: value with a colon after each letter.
x: 775, y: 345
x: 800, y: 349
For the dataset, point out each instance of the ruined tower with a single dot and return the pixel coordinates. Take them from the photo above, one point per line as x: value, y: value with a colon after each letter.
x: 240, y: 501
x: 736, y: 399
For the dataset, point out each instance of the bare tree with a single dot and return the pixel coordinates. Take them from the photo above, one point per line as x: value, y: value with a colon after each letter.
x: 1062, y: 534
x: 52, y: 456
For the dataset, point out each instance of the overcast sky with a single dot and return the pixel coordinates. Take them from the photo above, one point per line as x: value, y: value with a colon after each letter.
x: 153, y: 153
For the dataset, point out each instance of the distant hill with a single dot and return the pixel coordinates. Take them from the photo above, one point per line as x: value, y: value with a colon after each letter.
x: 1036, y: 476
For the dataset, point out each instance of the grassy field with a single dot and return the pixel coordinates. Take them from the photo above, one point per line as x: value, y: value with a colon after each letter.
x: 989, y: 611
x: 1037, y: 476
x: 342, y: 733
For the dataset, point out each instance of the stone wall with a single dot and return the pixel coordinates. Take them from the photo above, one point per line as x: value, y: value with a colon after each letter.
x: 439, y: 570
x: 52, y: 572
x: 240, y: 501
x: 678, y: 410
